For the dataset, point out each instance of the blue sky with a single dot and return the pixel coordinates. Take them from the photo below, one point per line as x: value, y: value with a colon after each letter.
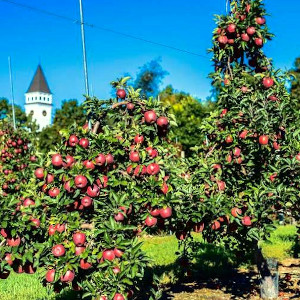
x: 30, y: 37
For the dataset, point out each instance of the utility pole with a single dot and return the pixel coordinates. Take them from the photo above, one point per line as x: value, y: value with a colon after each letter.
x: 86, y: 78
x: 12, y: 93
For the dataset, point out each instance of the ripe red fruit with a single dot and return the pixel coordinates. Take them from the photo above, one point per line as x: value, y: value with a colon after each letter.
x: 267, y: 82
x: 50, y: 275
x: 273, y: 177
x: 155, y: 212
x: 246, y: 221
x: 164, y: 188
x: 54, y: 192
x: 227, y: 81
x: 49, y: 178
x: 39, y: 173
x: 231, y: 28
x: 251, y: 30
x: 245, y: 37
x: 116, y: 270
x: 162, y: 122
x: 79, y: 250
x: 118, y: 253
x: 215, y: 225
x: 84, y: 265
x: 134, y: 156
x: 89, y: 164
x: 69, y: 161
x: 248, y: 8
x: 8, y: 258
x: 80, y: 181
x: 4, y: 232
x: 119, y: 297
x: 121, y: 93
x: 84, y: 143
x: 36, y: 222
x: 103, y: 298
x: 68, y: 277
x: 27, y: 202
x: 152, y: 152
x: 60, y: 227
x: 57, y: 160
x: 237, y: 151
x: 100, y: 159
x: 153, y: 169
x: 166, y: 212
x: 150, y: 116
x: 73, y: 140
x: 32, y: 158
x: 260, y: 20
x: 14, y: 242
x: 259, y: 42
x: 236, y: 212
x: 276, y: 146
x: 243, y: 134
x: 119, y: 217
x: 51, y: 230
x: 221, y: 185
x: 222, y: 39
x: 108, y: 254
x: 86, y: 201
x: 273, y: 98
x: 229, y: 139
x: 67, y: 187
x: 150, y: 221
x: 130, y: 106
x: 263, y: 140
x: 58, y: 250
x: 93, y: 191
x: 198, y: 227
x: 298, y: 156
x: 138, y: 139
x: 79, y: 238
x: 109, y: 159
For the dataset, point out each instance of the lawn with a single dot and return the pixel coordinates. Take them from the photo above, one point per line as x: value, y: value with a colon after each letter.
x: 161, y: 250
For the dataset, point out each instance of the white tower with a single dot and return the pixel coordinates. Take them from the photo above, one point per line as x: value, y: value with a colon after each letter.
x: 38, y: 99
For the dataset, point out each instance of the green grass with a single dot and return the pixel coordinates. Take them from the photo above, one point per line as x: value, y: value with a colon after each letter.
x: 162, y: 251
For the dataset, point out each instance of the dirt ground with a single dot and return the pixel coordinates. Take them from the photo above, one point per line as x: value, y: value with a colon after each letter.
x: 242, y: 285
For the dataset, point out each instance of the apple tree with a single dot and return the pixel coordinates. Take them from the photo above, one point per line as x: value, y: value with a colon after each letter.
x: 101, y: 188
x: 237, y: 176
x: 19, y: 215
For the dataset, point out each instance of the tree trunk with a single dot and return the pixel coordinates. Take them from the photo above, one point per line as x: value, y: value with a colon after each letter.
x: 268, y: 271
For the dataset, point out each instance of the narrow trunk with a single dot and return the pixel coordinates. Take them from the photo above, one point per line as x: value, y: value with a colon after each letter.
x: 268, y: 271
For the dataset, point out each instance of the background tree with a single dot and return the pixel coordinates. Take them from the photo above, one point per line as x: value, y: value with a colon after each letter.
x: 189, y: 113
x: 295, y: 85
x: 150, y: 78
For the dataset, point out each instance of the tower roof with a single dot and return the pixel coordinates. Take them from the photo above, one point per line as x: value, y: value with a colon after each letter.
x: 39, y: 82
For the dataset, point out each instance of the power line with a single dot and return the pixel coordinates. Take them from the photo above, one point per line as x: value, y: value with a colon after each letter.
x: 104, y: 28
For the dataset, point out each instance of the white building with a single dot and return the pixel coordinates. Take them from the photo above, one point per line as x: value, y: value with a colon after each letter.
x: 38, y: 99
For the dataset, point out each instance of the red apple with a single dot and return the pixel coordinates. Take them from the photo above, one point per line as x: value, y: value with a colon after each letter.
x: 79, y: 250
x: 50, y: 275
x: 215, y: 225
x: 80, y: 181
x: 57, y: 160
x: 267, y: 82
x: 236, y: 212
x: 54, y: 192
x: 130, y: 106
x: 73, y: 140
x: 68, y: 277
x: 263, y: 140
x: 152, y: 152
x: 39, y: 173
x: 153, y: 169
x: 100, y: 159
x: 229, y: 139
x: 109, y: 159
x: 93, y: 191
x: 58, y: 250
x: 260, y: 20
x: 86, y: 201
x: 27, y: 202
x: 89, y: 164
x: 138, y: 139
x: 150, y: 116
x: 245, y: 37
x: 243, y: 134
x: 166, y: 212
x: 121, y: 93
x: 84, y: 143
x: 118, y: 253
x: 231, y: 28
x: 69, y: 161
x: 246, y: 221
x: 162, y: 122
x: 237, y: 151
x: 150, y: 221
x: 79, y: 238
x: 14, y: 242
x: 49, y: 178
x: 51, y: 230
x: 108, y: 255
x: 298, y: 157
x: 60, y: 227
x: 84, y: 265
x: 251, y: 30
x: 222, y: 39
x: 134, y: 156
x: 116, y: 270
x: 119, y: 297
x: 119, y: 217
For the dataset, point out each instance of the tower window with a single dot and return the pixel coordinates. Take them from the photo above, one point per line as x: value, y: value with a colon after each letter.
x: 44, y: 113
x: 31, y: 112
x: 32, y: 98
x: 44, y: 98
x: 40, y: 98
x: 35, y: 98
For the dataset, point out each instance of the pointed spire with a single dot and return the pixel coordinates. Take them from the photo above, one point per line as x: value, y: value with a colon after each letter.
x: 39, y: 82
